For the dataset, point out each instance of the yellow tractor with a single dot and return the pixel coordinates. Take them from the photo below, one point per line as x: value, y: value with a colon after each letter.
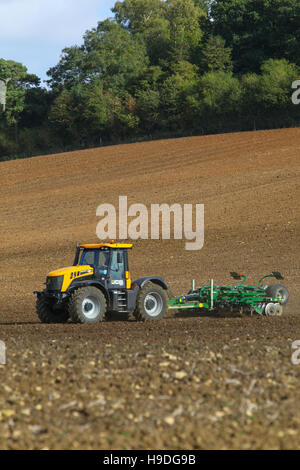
x: 97, y: 286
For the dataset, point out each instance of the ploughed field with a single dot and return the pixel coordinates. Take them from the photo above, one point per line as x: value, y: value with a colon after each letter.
x: 186, y: 382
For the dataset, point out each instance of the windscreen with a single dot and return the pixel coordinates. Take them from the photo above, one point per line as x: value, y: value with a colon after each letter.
x: 95, y: 258
x: 88, y: 257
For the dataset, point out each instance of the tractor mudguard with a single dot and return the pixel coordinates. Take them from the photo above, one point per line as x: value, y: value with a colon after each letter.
x: 155, y: 279
x: 90, y: 281
x: 79, y: 283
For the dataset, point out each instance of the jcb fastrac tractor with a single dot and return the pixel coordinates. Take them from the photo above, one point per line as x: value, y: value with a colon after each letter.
x: 98, y: 285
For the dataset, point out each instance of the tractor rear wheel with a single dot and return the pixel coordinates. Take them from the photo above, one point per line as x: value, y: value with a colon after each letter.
x: 278, y: 290
x: 151, y: 304
x: 87, y: 305
x: 47, y: 313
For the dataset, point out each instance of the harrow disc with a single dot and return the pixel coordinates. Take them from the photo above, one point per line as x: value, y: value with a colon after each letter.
x: 279, y: 310
x: 271, y: 309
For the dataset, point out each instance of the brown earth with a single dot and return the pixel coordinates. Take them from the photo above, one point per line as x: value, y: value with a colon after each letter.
x: 185, y: 382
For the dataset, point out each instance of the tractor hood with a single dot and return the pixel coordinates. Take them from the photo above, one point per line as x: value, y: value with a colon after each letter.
x: 72, y: 270
x: 69, y: 274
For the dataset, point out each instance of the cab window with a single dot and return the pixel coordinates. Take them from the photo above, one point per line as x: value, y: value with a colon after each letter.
x: 88, y: 257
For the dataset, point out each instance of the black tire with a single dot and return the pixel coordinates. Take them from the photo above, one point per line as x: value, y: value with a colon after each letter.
x: 151, y: 304
x: 87, y: 305
x: 48, y: 314
x: 278, y: 290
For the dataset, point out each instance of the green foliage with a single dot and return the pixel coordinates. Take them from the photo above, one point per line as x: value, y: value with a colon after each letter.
x: 8, y: 148
x: 138, y: 15
x: 251, y: 93
x: 257, y: 30
x: 221, y: 92
x: 15, y: 73
x: 185, y: 33
x: 69, y: 70
x: 66, y: 116
x: 148, y: 109
x: 179, y: 95
x: 113, y: 56
x: 36, y: 107
x: 216, y: 56
x: 108, y: 115
x: 169, y: 28
x: 146, y: 19
x: 275, y: 84
x: 37, y: 141
x: 160, y: 68
x: 266, y: 97
x: 109, y: 53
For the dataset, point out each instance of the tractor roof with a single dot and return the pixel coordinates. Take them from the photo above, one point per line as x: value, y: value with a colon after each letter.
x: 112, y: 245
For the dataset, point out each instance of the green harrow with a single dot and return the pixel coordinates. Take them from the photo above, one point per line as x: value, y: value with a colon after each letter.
x: 262, y: 299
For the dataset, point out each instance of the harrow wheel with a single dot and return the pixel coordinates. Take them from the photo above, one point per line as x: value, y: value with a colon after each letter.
x: 279, y: 310
x: 278, y: 290
x: 274, y: 310
x: 270, y: 309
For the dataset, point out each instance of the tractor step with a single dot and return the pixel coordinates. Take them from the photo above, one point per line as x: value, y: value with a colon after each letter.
x: 120, y: 301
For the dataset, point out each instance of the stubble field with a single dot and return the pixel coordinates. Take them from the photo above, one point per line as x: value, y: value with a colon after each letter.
x: 186, y: 382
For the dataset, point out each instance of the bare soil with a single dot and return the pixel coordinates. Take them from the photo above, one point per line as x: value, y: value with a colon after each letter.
x: 188, y: 382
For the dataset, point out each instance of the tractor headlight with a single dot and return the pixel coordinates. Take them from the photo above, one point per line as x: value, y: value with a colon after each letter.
x: 54, y: 283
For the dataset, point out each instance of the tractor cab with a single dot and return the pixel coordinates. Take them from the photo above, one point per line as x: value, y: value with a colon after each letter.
x: 109, y: 261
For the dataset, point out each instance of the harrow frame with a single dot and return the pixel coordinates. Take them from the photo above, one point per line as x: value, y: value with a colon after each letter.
x: 238, y: 297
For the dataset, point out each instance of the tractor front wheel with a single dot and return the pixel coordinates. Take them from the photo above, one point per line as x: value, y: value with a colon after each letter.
x: 152, y: 303
x: 87, y: 305
x: 47, y: 312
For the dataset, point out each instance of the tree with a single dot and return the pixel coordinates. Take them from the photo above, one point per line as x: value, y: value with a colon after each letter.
x: 109, y: 116
x: 109, y: 54
x: 148, y: 109
x: 146, y: 18
x: 266, y: 97
x: 66, y: 113
x: 221, y: 93
x: 113, y: 56
x: 251, y: 98
x: 15, y: 72
x: 180, y: 97
x: 138, y: 15
x: 216, y: 56
x: 275, y: 82
x: 170, y: 29
x: 70, y: 69
x: 36, y: 107
x: 257, y: 30
x: 185, y: 32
